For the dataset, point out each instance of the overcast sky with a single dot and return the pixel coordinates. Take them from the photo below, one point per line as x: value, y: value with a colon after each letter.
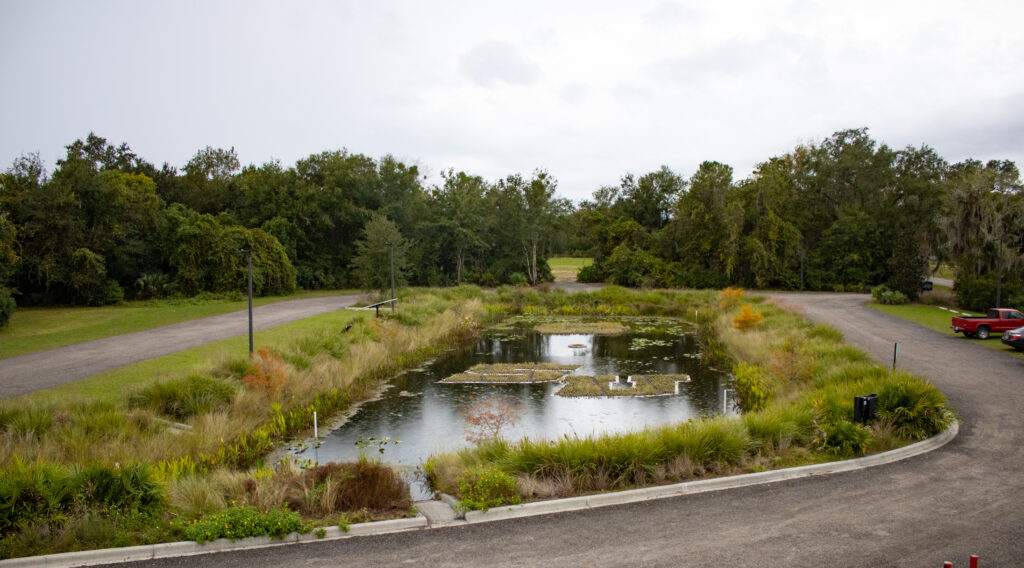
x: 587, y: 90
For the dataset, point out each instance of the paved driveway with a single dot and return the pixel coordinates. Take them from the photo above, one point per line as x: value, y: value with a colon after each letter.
x: 966, y: 498
x: 47, y: 369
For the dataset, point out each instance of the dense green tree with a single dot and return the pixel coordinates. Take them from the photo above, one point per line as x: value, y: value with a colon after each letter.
x: 372, y: 263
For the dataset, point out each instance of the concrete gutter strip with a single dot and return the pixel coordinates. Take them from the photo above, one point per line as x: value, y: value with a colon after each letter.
x: 175, y: 549
x: 705, y: 485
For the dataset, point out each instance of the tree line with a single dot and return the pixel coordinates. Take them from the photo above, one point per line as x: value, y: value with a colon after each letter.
x: 845, y: 213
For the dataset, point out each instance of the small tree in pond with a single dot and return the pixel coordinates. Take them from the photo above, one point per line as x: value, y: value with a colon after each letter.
x: 485, y: 418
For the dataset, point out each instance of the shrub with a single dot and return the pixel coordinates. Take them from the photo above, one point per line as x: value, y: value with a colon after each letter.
x: 589, y: 273
x: 185, y: 397
x: 748, y: 318
x: 518, y: 279
x: 729, y: 297
x: 7, y: 306
x: 482, y: 489
x: 751, y: 389
x: 883, y: 295
x: 245, y: 521
x: 916, y: 408
x: 49, y: 493
x: 846, y: 438
x: 267, y: 370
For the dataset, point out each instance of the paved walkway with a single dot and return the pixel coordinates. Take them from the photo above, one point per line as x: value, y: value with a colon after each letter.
x: 47, y: 369
x: 965, y: 498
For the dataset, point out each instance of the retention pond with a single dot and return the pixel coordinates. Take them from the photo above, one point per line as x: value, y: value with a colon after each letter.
x: 428, y: 415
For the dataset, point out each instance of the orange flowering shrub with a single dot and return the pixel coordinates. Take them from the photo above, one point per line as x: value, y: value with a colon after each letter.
x: 729, y: 297
x: 266, y: 370
x: 748, y: 318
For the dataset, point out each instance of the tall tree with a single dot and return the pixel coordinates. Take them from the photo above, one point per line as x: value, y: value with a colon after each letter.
x: 372, y: 263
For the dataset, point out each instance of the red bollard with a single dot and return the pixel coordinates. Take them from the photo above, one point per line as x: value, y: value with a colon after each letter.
x: 974, y: 561
x: 947, y: 565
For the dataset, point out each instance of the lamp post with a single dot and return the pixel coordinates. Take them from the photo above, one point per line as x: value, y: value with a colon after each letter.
x: 999, y: 281
x: 392, y: 276
x: 249, y: 255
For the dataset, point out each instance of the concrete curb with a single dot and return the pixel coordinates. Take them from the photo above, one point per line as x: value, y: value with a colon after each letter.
x: 705, y: 485
x: 189, y: 548
x: 174, y: 549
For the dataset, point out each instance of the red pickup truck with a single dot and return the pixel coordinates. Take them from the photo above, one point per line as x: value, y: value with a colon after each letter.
x: 998, y: 320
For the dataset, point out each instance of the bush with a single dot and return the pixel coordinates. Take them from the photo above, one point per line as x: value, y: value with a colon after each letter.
x: 45, y: 493
x: 729, y: 297
x: 7, y: 306
x: 589, y: 273
x: 482, y: 489
x: 518, y: 279
x: 916, y: 408
x: 245, y: 521
x: 751, y: 389
x: 978, y: 293
x: 883, y: 295
x: 185, y: 397
x: 846, y: 438
x: 748, y: 318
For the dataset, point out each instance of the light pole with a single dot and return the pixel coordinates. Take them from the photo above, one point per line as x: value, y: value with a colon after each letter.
x: 999, y: 281
x: 249, y: 255
x: 392, y: 276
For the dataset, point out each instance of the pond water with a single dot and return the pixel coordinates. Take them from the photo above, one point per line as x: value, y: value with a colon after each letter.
x: 425, y: 414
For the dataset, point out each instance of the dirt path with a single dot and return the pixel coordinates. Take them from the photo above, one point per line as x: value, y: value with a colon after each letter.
x: 966, y: 498
x: 47, y: 369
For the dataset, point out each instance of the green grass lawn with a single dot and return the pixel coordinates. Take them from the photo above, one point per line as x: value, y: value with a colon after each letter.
x: 944, y: 271
x: 939, y: 320
x: 38, y: 329
x: 569, y: 263
x: 112, y: 385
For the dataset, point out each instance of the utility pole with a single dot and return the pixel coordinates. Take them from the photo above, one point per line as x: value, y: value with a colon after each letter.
x: 249, y: 255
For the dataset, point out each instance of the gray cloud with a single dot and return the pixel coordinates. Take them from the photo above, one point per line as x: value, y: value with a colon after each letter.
x: 498, y: 62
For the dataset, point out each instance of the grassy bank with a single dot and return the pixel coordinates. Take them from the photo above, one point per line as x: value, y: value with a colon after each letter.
x: 796, y: 382
x: 939, y: 320
x: 38, y: 329
x: 139, y: 457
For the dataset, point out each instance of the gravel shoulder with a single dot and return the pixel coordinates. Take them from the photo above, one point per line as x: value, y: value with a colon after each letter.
x: 965, y: 498
x: 47, y: 369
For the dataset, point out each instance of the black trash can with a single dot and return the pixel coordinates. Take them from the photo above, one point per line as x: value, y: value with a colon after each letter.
x: 864, y: 408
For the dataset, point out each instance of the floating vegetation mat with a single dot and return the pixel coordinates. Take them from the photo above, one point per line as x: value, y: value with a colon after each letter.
x: 610, y: 385
x: 512, y: 373
x: 581, y: 328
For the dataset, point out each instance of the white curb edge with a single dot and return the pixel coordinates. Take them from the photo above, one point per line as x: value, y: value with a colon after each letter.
x: 189, y: 548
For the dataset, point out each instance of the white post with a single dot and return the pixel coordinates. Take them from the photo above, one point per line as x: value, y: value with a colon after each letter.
x: 725, y: 400
x: 315, y: 434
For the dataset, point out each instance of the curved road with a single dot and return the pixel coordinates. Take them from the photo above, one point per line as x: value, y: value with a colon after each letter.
x: 965, y: 498
x: 47, y: 369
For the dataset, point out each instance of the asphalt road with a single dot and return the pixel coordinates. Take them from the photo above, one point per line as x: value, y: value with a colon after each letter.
x: 47, y: 369
x: 965, y: 498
